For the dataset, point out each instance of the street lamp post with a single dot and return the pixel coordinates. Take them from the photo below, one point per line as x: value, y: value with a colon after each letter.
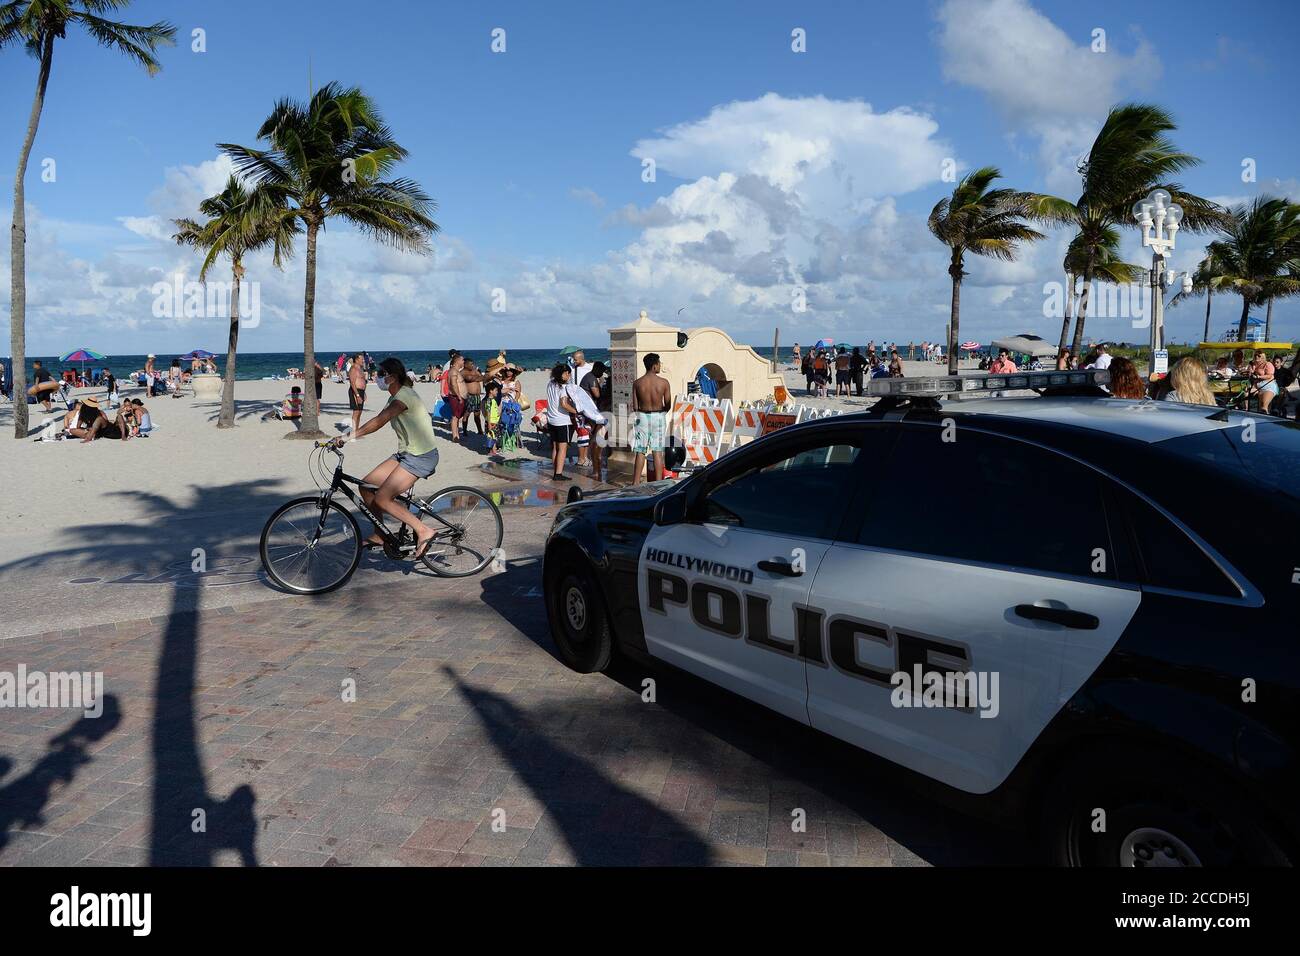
x: 1159, y: 218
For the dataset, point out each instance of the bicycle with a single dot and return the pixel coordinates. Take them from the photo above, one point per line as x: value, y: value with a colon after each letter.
x: 313, y: 544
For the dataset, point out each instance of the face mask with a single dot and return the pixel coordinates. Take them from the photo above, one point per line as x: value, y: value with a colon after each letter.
x: 383, y: 382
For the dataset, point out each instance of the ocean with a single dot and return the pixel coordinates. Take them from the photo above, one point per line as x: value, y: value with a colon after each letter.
x: 257, y: 365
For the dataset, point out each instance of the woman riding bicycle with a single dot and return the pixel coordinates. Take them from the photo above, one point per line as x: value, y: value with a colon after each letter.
x: 416, y: 456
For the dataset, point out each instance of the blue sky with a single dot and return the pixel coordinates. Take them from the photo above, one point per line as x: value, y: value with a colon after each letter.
x: 776, y: 171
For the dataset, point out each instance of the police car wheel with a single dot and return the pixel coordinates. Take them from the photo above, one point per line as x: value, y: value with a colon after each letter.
x: 1148, y: 812
x: 579, y: 621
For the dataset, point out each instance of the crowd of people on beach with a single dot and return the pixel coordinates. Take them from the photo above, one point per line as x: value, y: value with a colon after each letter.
x: 848, y: 370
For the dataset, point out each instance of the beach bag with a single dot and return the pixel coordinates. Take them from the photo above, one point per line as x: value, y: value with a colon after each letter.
x: 512, y: 417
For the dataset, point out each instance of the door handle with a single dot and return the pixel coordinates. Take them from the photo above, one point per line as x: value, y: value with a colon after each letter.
x: 1058, y: 613
x: 784, y: 568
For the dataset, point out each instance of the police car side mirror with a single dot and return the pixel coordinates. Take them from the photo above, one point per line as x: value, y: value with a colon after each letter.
x: 671, y: 510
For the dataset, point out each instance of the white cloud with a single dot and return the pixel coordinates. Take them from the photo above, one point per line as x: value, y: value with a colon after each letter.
x: 1042, y: 79
x: 837, y: 155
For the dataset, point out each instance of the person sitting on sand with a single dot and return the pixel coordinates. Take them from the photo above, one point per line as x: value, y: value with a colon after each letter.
x: 101, y: 426
x: 288, y: 410
x: 142, y: 422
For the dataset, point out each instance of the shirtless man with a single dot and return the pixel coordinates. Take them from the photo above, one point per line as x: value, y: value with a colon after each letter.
x: 357, y: 390
x: 652, y: 399
x: 456, y: 391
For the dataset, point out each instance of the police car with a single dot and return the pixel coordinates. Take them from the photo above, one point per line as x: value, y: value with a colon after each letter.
x: 1081, y: 610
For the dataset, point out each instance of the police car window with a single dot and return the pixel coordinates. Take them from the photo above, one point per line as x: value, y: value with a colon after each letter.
x: 797, y: 494
x: 990, y: 500
x: 1169, y: 558
x: 1269, y: 454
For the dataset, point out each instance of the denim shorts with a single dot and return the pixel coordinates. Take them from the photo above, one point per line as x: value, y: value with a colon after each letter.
x: 422, y: 466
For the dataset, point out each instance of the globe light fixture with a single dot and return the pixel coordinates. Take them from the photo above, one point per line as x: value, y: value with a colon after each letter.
x: 1159, y: 218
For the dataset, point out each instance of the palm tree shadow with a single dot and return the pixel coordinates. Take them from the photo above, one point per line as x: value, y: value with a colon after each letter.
x: 23, y: 800
x: 579, y: 797
x: 179, y: 781
x: 188, y: 826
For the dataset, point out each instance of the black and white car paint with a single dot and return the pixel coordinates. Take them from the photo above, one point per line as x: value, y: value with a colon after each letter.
x: 1139, y: 609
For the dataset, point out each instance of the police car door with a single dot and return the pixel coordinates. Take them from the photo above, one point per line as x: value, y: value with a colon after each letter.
x: 721, y: 592
x: 981, y: 557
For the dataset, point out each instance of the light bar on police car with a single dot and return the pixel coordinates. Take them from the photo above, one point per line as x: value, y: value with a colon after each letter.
x: 984, y: 382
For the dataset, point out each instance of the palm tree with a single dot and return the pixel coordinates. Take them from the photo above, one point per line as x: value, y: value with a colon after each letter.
x: 37, y: 24
x: 327, y: 159
x: 984, y: 222
x: 1257, y: 252
x: 1130, y: 156
x: 1107, y: 266
x: 1208, y: 271
x: 239, y: 222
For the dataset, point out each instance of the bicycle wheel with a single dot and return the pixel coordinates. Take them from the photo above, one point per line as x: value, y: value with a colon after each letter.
x: 301, y: 560
x: 467, y: 528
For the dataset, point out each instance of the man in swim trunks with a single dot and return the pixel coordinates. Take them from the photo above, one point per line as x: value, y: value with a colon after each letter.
x: 473, y: 379
x: 456, y: 390
x: 357, y: 390
x: 652, y: 398
x: 43, y: 386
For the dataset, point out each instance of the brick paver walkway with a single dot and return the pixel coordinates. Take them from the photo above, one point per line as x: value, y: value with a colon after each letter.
x: 229, y: 737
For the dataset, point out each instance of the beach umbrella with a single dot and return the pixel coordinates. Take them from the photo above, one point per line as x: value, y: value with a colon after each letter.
x: 82, y: 355
x: 570, y: 349
x: 969, y: 346
x: 824, y: 343
x: 198, y: 354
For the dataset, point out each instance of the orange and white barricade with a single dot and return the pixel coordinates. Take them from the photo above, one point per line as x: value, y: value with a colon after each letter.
x: 748, y: 425
x: 681, y: 418
x: 705, y: 431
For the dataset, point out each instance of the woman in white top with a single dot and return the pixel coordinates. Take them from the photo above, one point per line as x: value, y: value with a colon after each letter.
x: 559, y: 418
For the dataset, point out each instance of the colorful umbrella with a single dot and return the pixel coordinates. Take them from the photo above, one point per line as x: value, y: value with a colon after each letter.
x: 83, y: 356
x: 198, y: 354
x: 570, y: 349
x: 969, y: 346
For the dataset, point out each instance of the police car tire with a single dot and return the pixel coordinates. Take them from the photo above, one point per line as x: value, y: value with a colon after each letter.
x: 1151, y: 794
x: 579, y: 620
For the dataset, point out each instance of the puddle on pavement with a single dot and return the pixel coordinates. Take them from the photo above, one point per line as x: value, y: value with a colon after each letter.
x: 536, y: 488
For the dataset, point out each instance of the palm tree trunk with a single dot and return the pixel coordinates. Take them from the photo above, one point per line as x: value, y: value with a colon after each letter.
x: 1268, y: 321
x: 227, y: 417
x: 1209, y: 301
x: 1081, y: 313
x: 1245, y: 314
x: 954, y: 320
x: 18, y: 250
x: 1069, y: 308
x: 310, y: 405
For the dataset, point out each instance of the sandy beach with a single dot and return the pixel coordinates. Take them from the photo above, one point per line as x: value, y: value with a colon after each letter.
x: 84, y: 516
